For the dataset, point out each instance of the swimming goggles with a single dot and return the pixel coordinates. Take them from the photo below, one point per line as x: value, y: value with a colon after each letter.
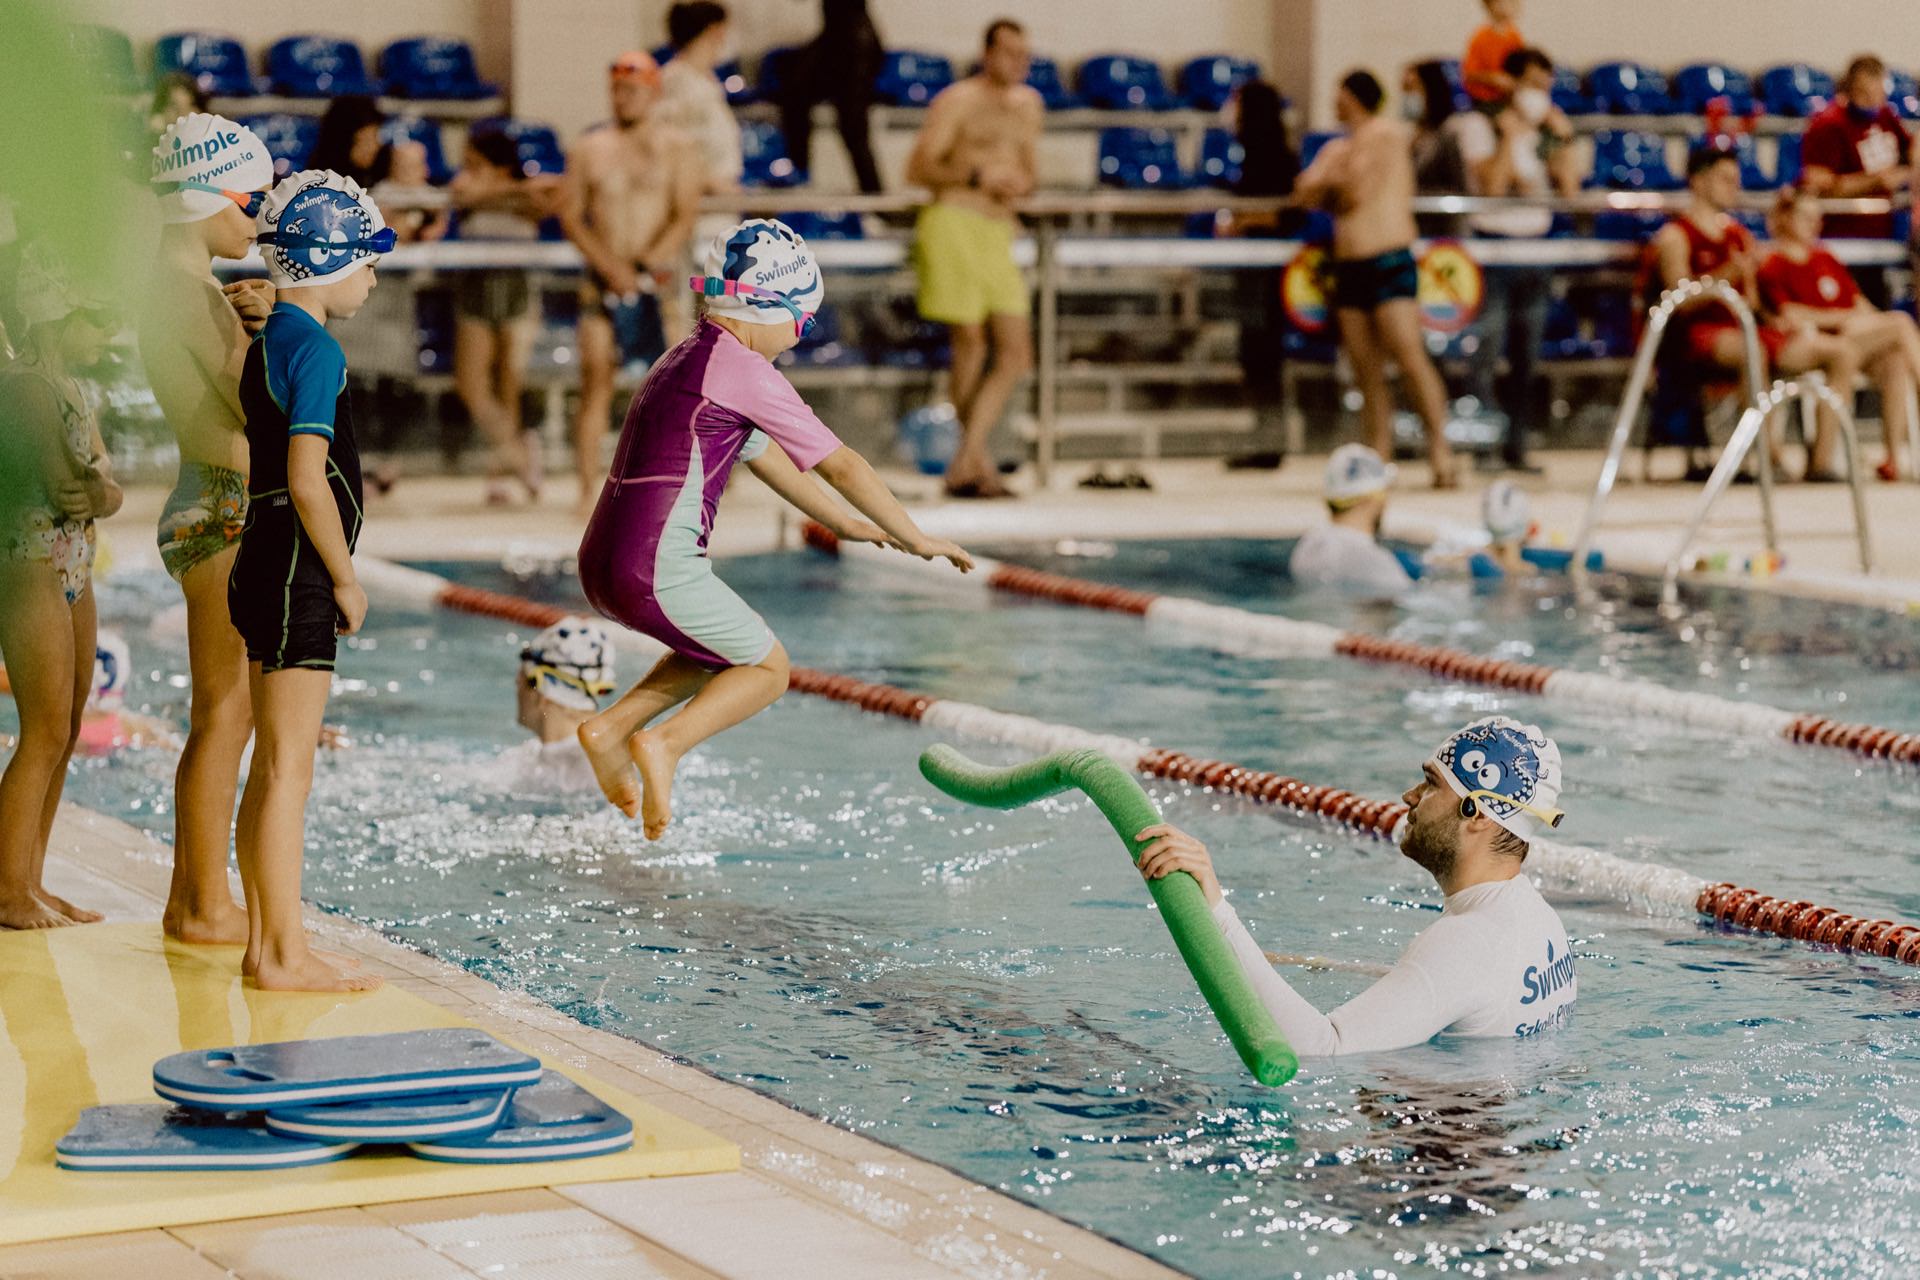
x: 1552, y: 817
x: 714, y: 287
x: 249, y: 201
x: 532, y: 668
x: 381, y: 241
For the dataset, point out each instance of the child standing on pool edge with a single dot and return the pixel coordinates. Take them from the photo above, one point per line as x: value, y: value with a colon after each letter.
x: 713, y: 399
x: 293, y: 591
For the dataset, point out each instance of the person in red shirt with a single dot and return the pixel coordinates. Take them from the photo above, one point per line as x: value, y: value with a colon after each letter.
x: 1857, y: 146
x: 1489, y: 83
x: 1806, y: 289
x: 1705, y: 242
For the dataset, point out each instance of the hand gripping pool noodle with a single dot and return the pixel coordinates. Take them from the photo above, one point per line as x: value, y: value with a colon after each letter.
x: 1182, y: 904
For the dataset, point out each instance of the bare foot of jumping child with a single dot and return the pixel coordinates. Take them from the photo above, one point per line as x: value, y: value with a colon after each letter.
x: 612, y: 768
x: 656, y: 763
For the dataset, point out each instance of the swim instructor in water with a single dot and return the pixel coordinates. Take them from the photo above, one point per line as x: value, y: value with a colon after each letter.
x: 1496, y: 963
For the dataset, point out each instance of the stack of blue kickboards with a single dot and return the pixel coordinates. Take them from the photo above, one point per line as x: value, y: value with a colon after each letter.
x: 455, y: 1094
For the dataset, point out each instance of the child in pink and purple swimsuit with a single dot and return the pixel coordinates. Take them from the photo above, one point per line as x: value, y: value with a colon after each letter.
x: 711, y: 401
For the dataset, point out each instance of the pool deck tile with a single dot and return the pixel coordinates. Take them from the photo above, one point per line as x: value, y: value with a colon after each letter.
x: 154, y: 1255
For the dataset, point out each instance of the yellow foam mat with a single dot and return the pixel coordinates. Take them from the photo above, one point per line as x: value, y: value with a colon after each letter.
x: 87, y: 1012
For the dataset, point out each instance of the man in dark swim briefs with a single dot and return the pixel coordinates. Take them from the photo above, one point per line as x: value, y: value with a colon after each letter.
x: 1366, y: 179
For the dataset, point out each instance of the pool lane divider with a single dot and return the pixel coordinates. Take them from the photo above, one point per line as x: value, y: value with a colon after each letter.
x: 1249, y: 1024
x: 1231, y: 630
x: 1647, y: 887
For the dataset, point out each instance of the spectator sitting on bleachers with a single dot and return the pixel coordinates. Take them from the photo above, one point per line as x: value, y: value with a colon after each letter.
x: 1426, y: 104
x: 492, y: 333
x: 628, y: 203
x: 839, y: 66
x: 1804, y: 287
x: 350, y: 145
x: 175, y: 94
x: 976, y: 153
x: 1269, y: 167
x: 1857, y: 146
x: 1484, y: 69
x: 1366, y: 179
x: 1521, y: 150
x: 692, y: 99
x: 1705, y: 242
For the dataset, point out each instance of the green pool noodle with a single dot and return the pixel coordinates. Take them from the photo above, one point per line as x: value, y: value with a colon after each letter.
x: 1183, y: 905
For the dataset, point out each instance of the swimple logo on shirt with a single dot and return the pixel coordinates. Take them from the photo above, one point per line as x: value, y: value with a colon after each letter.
x: 1542, y: 981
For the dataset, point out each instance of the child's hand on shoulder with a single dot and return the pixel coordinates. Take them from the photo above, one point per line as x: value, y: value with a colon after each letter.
x: 941, y: 549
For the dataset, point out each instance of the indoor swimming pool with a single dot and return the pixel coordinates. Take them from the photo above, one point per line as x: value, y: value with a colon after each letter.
x: 992, y: 991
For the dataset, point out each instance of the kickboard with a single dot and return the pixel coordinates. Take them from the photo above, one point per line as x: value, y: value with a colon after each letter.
x: 553, y: 1120
x: 305, y: 1073
x: 152, y: 1137
x: 453, y: 1115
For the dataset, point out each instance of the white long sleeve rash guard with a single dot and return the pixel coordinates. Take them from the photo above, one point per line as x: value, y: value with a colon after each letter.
x: 1496, y: 963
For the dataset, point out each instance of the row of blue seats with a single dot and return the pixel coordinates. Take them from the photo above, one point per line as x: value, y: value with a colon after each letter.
x: 303, y: 66
x: 1794, y: 89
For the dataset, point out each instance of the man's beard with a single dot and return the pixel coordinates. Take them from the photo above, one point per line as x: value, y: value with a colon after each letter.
x: 1434, y: 848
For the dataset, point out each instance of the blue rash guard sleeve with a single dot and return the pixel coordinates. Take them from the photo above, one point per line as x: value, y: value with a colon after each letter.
x: 305, y: 374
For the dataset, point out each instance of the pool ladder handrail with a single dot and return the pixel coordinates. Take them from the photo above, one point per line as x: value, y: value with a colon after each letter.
x: 1807, y: 388
x: 1659, y: 315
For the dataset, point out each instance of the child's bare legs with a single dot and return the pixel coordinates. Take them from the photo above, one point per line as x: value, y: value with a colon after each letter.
x: 200, y: 906
x: 37, y: 639
x: 85, y: 633
x: 604, y: 738
x: 288, y: 706
x: 729, y: 697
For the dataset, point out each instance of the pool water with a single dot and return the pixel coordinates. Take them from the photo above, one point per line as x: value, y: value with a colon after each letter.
x: 992, y: 991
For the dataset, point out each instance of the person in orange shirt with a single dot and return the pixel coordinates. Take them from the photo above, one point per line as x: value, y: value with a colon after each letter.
x: 1483, y: 69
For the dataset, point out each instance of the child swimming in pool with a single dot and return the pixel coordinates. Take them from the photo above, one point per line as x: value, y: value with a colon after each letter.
x: 713, y: 399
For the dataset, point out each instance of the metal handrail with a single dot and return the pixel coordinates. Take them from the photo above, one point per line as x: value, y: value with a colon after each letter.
x: 1684, y: 293
x: 1811, y: 384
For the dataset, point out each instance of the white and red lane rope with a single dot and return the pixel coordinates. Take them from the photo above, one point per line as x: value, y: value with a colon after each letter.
x: 1233, y: 630
x: 1644, y: 886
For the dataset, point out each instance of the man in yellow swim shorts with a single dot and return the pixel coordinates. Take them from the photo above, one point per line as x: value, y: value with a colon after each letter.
x: 976, y: 153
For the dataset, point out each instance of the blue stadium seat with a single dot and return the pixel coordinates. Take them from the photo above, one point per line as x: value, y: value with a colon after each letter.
x: 825, y: 226
x: 1699, y: 84
x: 1562, y: 339
x: 775, y: 66
x: 107, y: 54
x: 1119, y: 82
x: 1220, y: 159
x: 1904, y: 93
x: 433, y: 67
x: 822, y: 348
x: 1311, y: 144
x: 1462, y: 100
x: 1752, y: 176
x: 1140, y: 160
x: 1614, y: 315
x: 661, y: 53
x: 537, y: 144
x: 910, y: 79
x: 1626, y: 224
x: 734, y: 81
x: 218, y: 64
x: 1207, y: 83
x: 427, y: 134
x: 317, y: 67
x: 289, y: 139
x: 1043, y: 76
x: 764, y: 150
x: 1786, y: 160
x: 1753, y: 220
x: 433, y: 324
x: 1628, y: 89
x: 1624, y: 158
x: 1794, y: 89
x: 1567, y: 93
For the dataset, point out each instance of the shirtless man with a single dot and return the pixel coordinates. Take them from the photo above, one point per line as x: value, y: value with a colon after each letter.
x: 631, y: 194
x: 194, y: 336
x: 1366, y: 179
x: 976, y: 153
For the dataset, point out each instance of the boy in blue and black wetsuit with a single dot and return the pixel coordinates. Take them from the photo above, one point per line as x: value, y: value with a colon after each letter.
x: 293, y: 591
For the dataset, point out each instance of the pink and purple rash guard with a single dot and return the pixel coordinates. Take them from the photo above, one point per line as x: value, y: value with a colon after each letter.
x: 707, y: 403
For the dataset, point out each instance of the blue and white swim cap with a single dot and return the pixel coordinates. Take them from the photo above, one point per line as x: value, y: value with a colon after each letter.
x: 318, y: 227
x: 1504, y: 508
x: 570, y: 663
x: 767, y: 255
x: 1510, y: 770
x: 214, y: 154
x: 1354, y: 472
x: 112, y: 670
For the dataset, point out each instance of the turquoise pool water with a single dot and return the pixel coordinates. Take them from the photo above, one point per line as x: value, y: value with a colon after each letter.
x: 990, y: 990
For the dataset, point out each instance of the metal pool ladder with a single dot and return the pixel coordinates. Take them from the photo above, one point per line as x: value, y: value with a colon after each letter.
x: 1761, y: 402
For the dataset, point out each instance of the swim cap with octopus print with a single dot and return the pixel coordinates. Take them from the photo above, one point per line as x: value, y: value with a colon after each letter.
x: 318, y: 227
x: 1510, y: 770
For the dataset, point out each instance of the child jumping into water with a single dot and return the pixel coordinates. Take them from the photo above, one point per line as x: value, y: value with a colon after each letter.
x: 714, y: 399
x: 293, y: 591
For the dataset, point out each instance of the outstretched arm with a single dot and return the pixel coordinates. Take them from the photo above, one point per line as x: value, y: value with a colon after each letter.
x: 849, y: 473
x: 777, y: 472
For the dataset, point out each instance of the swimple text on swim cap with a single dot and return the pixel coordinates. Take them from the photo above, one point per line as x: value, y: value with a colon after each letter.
x: 194, y: 152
